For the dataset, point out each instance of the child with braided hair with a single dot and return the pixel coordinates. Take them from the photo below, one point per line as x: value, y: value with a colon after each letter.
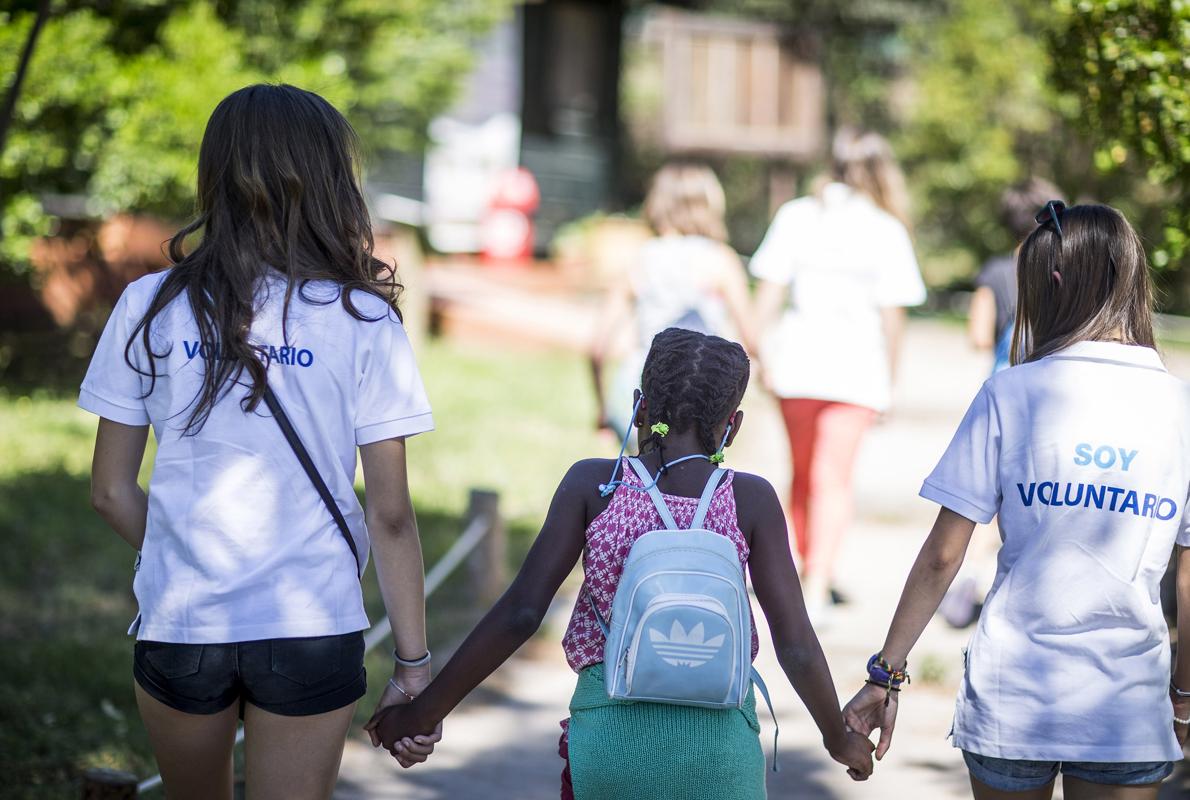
x: 686, y: 416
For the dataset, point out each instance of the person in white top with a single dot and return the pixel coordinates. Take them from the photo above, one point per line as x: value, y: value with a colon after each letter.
x: 247, y: 580
x: 686, y: 277
x: 1082, y: 451
x: 836, y: 271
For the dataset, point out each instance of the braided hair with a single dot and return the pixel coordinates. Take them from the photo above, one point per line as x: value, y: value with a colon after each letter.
x: 692, y: 380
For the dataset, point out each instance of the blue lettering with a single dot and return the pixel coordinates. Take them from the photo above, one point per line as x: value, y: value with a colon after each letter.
x: 1115, y: 493
x: 191, y: 348
x: 1056, y: 498
x: 1146, y: 510
x: 1126, y: 457
x: 1108, y: 459
x: 1082, y: 454
x: 1040, y: 496
x: 1093, y: 497
x: 305, y: 358
x: 285, y: 355
x: 273, y: 354
x: 1027, y: 499
x: 1130, y: 500
x: 1077, y: 498
x: 1173, y: 509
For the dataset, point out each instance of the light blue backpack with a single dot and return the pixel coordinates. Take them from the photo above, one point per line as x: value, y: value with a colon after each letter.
x: 681, y: 627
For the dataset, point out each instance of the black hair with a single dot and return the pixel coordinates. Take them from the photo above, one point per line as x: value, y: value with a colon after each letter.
x: 279, y: 193
x: 692, y: 381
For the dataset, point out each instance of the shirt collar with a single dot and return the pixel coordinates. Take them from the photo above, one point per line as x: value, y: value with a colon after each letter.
x: 1133, y: 354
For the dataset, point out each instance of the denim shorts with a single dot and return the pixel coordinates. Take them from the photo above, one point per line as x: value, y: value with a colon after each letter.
x: 294, y: 677
x: 1013, y: 775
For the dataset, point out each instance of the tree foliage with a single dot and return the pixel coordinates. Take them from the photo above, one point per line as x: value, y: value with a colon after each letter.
x: 1129, y: 63
x: 119, y: 91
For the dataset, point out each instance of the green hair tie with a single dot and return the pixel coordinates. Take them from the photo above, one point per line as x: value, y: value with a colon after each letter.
x: 718, y: 458
x: 660, y: 428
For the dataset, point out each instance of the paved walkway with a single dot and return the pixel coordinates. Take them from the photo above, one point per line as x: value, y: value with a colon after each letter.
x: 502, y: 741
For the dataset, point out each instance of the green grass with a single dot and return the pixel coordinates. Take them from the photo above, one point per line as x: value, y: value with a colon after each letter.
x: 511, y: 422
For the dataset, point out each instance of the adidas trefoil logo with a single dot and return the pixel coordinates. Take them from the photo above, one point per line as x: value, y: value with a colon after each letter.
x: 685, y: 649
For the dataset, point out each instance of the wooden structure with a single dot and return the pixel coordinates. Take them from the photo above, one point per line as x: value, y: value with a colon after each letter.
x: 735, y: 87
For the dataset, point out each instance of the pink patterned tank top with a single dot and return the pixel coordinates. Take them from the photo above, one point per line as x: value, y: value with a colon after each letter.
x: 611, y: 535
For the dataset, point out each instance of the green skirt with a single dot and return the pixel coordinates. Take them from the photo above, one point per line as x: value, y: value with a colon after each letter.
x: 622, y: 750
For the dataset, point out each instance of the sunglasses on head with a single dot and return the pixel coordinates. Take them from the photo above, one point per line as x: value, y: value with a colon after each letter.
x: 1049, y: 213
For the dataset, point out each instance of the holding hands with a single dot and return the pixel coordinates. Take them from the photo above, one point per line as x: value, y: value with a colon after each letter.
x: 394, y: 726
x: 873, y: 708
x: 854, y: 752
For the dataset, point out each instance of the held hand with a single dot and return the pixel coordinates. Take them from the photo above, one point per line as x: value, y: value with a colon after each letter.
x: 390, y: 697
x: 1181, y: 710
x: 855, y: 753
x: 868, y: 711
x: 403, y: 733
x: 408, y: 751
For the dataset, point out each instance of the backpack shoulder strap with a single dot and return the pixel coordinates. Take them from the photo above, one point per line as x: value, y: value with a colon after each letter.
x: 654, y: 493
x: 303, y: 457
x: 704, y: 502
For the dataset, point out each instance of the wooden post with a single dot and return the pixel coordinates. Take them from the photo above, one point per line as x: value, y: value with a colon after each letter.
x: 108, y: 784
x: 488, y: 562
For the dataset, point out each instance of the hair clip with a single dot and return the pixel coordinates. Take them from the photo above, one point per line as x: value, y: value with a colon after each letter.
x: 660, y: 428
x: 1049, y: 213
x: 718, y: 458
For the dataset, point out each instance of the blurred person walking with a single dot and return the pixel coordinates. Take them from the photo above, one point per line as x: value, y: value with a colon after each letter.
x: 836, y: 270
x: 251, y: 540
x: 685, y: 276
x: 993, y: 305
x: 1082, y: 450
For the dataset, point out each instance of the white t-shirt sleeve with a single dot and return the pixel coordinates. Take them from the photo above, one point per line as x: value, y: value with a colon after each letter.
x: 966, y: 480
x: 392, y: 400
x: 112, y: 389
x: 774, y: 260
x: 899, y: 282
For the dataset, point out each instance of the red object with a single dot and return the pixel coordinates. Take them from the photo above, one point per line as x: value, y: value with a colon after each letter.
x: 506, y: 231
x: 824, y: 440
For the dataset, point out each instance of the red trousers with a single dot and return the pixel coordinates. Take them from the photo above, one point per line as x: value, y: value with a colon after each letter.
x: 824, y: 439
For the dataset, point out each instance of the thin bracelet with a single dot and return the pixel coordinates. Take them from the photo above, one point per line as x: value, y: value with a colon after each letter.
x: 393, y: 683
x: 1181, y: 721
x: 1178, y: 691
x: 420, y: 662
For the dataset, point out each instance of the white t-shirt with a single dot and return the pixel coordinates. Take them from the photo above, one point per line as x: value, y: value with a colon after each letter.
x: 1084, y: 456
x: 238, y: 545
x: 843, y: 259
x: 675, y: 287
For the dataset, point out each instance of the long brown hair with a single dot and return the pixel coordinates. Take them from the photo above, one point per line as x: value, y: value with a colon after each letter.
x: 278, y: 192
x: 1089, y: 283
x: 864, y: 161
x: 686, y: 199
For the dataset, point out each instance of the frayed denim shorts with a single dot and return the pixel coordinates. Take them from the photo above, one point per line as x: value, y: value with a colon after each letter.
x: 1013, y: 775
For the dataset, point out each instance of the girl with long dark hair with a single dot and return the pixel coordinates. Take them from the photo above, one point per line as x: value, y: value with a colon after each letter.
x: 247, y: 579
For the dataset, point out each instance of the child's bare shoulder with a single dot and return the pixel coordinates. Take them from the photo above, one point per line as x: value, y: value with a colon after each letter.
x: 755, y: 498
x: 753, y: 488
x: 587, y: 474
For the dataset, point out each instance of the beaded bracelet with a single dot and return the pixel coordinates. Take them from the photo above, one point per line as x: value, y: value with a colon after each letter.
x: 1181, y: 721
